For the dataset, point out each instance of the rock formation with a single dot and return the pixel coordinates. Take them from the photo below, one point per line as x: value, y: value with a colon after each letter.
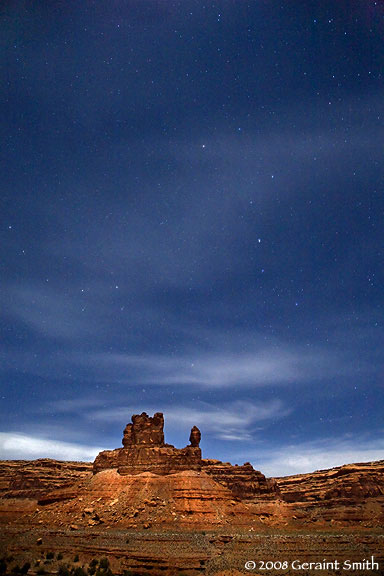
x: 244, y: 481
x: 144, y: 430
x: 153, y: 508
x: 352, y: 494
x: 195, y: 437
x: 351, y: 481
x: 23, y: 483
x: 144, y: 450
x: 31, y: 479
x: 149, y: 477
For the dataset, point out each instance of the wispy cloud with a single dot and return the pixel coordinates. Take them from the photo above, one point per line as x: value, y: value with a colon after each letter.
x: 49, y: 312
x: 262, y: 367
x: 233, y: 422
x: 317, y: 455
x: 224, y: 423
x: 16, y: 446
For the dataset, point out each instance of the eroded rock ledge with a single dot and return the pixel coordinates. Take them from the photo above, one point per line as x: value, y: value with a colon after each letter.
x: 144, y: 450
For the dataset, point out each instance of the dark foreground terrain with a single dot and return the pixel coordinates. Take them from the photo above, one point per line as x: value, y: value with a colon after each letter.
x: 190, y: 553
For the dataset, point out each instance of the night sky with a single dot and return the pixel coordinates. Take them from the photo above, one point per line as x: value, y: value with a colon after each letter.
x: 192, y: 222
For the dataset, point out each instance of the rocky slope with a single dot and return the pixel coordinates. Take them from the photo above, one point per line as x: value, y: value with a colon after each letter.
x: 184, y: 499
x: 153, y: 508
x: 149, y: 482
x: 352, y: 494
x: 32, y: 478
x: 244, y: 481
x: 348, y: 495
x: 351, y: 481
x: 23, y: 482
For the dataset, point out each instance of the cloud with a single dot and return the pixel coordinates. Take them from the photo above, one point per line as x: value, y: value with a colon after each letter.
x: 191, y: 242
x: 261, y: 367
x: 234, y: 421
x: 74, y: 405
x: 230, y: 423
x: 317, y: 455
x: 16, y: 446
x: 220, y: 367
x: 50, y: 312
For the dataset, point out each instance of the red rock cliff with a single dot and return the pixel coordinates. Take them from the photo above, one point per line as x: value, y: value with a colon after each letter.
x: 144, y: 450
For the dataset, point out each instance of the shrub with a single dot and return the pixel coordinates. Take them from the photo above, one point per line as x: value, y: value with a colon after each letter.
x: 63, y: 570
x: 107, y: 572
x: 92, y: 566
x: 79, y: 571
x: 25, y: 567
x: 104, y: 564
x: 104, y: 568
x: 23, y: 570
x: 3, y: 566
x: 50, y: 556
x: 76, y: 558
x: 59, y: 556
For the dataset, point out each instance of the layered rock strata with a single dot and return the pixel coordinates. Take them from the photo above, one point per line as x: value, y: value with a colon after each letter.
x: 149, y: 482
x: 244, y: 481
x: 351, y: 482
x: 144, y: 450
x: 33, y: 478
x: 187, y: 499
x: 23, y: 483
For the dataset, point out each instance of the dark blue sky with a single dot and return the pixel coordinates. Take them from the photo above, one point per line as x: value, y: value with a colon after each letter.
x: 192, y: 222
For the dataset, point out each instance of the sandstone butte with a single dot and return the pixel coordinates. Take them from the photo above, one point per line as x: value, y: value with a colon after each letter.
x: 150, y: 480
x: 151, y: 486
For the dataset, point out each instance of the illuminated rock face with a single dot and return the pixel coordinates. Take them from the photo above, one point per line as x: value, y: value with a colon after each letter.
x: 244, y: 481
x: 195, y: 436
x: 144, y: 450
x: 144, y: 430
